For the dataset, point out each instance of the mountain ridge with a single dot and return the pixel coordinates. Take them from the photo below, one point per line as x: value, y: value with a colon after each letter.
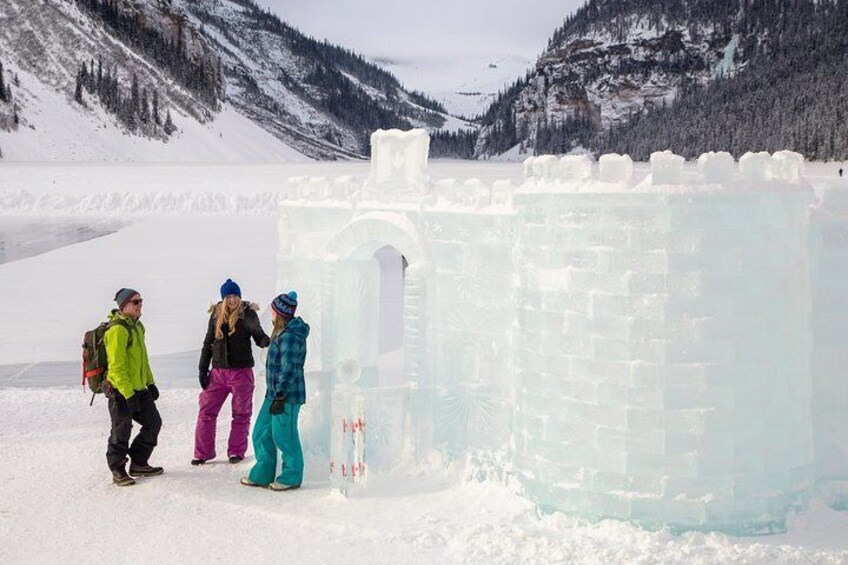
x: 199, y: 58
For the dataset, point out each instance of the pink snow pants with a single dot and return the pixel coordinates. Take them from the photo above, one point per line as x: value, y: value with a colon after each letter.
x: 222, y: 382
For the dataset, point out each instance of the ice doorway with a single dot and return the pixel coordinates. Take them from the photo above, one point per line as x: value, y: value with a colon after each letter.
x: 393, y: 267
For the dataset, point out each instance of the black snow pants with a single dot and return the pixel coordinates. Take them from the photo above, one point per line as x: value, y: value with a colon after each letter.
x: 119, y: 440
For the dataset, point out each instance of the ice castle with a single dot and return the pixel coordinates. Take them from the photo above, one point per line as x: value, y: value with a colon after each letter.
x: 670, y: 352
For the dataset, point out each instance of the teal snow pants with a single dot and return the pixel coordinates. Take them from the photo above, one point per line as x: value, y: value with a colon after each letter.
x: 274, y: 432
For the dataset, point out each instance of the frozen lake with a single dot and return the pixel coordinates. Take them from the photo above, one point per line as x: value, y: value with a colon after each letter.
x: 22, y: 237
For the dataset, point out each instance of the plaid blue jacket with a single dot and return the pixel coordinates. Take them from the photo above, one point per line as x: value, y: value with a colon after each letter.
x: 284, y: 366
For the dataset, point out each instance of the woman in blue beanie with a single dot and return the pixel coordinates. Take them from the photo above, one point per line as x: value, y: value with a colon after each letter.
x: 232, y: 324
x: 276, y: 425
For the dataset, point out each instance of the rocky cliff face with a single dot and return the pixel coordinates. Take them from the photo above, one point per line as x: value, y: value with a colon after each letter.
x: 612, y: 60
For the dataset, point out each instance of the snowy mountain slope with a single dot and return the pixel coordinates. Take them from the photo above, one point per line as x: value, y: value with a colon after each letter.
x: 54, y: 129
x: 322, y: 99
x: 43, y: 45
x: 205, y: 60
x: 748, y: 68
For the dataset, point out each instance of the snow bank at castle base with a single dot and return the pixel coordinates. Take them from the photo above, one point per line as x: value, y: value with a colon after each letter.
x: 662, y: 357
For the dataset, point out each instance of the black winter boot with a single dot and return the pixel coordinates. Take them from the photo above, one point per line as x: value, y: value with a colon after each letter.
x: 145, y: 470
x: 197, y: 462
x: 120, y: 478
x: 236, y: 459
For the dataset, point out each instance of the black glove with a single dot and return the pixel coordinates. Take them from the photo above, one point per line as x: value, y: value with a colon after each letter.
x: 126, y: 405
x: 279, y: 405
x: 133, y: 403
x: 154, y: 392
x: 204, y: 379
x: 120, y: 401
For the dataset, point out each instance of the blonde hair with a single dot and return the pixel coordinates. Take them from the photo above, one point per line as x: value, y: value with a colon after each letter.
x: 279, y: 325
x: 226, y: 314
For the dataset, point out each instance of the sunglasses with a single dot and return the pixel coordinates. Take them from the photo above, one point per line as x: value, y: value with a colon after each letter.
x: 137, y: 301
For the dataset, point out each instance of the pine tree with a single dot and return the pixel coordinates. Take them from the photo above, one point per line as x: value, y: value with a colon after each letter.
x: 2, y: 84
x: 135, y: 99
x: 156, y: 118
x: 145, y: 107
x: 78, y: 90
x: 169, y: 125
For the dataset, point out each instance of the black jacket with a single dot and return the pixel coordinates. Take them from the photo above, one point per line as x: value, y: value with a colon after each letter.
x: 233, y: 351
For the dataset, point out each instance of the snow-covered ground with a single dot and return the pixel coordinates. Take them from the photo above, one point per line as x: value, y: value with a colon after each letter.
x: 70, y: 235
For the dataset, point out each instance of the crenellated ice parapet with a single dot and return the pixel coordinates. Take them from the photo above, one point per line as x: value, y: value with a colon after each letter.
x: 502, y: 194
x: 399, y: 165
x: 756, y: 167
x: 787, y: 166
x: 615, y: 168
x: 472, y: 194
x: 781, y: 167
x: 345, y: 190
x: 614, y: 173
x: 666, y: 168
x: 717, y: 168
x: 575, y: 168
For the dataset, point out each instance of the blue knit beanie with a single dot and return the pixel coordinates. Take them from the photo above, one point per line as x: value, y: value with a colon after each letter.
x: 285, y: 304
x: 229, y: 288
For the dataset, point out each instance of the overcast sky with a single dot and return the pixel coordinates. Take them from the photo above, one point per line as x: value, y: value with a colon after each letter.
x: 396, y: 29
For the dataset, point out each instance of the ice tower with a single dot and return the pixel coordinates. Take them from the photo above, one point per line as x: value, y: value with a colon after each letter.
x: 662, y: 354
x: 633, y: 351
x: 830, y: 337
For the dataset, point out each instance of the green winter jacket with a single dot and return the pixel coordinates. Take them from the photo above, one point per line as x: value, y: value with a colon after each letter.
x: 129, y: 369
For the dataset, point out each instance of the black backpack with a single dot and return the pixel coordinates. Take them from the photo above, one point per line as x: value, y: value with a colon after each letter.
x: 94, y: 362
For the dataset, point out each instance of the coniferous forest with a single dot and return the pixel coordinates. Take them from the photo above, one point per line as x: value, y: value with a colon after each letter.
x: 794, y: 94
x: 789, y: 92
x: 137, y: 109
x: 168, y: 53
x: 328, y: 83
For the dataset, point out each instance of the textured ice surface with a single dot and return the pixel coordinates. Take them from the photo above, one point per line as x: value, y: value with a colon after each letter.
x: 576, y: 167
x: 615, y: 168
x: 717, y: 168
x: 639, y: 354
x: 666, y: 168
x: 787, y: 166
x: 756, y: 166
x: 398, y: 162
x: 829, y: 241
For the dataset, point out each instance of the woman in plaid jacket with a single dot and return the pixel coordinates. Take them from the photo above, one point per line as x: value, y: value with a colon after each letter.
x: 276, y: 425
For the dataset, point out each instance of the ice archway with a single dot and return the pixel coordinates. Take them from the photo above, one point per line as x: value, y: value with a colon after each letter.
x: 351, y: 282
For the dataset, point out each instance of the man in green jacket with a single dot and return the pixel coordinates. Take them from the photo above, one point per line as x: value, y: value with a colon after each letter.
x: 131, y: 391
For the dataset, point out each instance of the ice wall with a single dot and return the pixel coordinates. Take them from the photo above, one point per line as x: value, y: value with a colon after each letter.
x: 457, y: 240
x: 661, y: 353
x: 829, y: 241
x: 642, y: 349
